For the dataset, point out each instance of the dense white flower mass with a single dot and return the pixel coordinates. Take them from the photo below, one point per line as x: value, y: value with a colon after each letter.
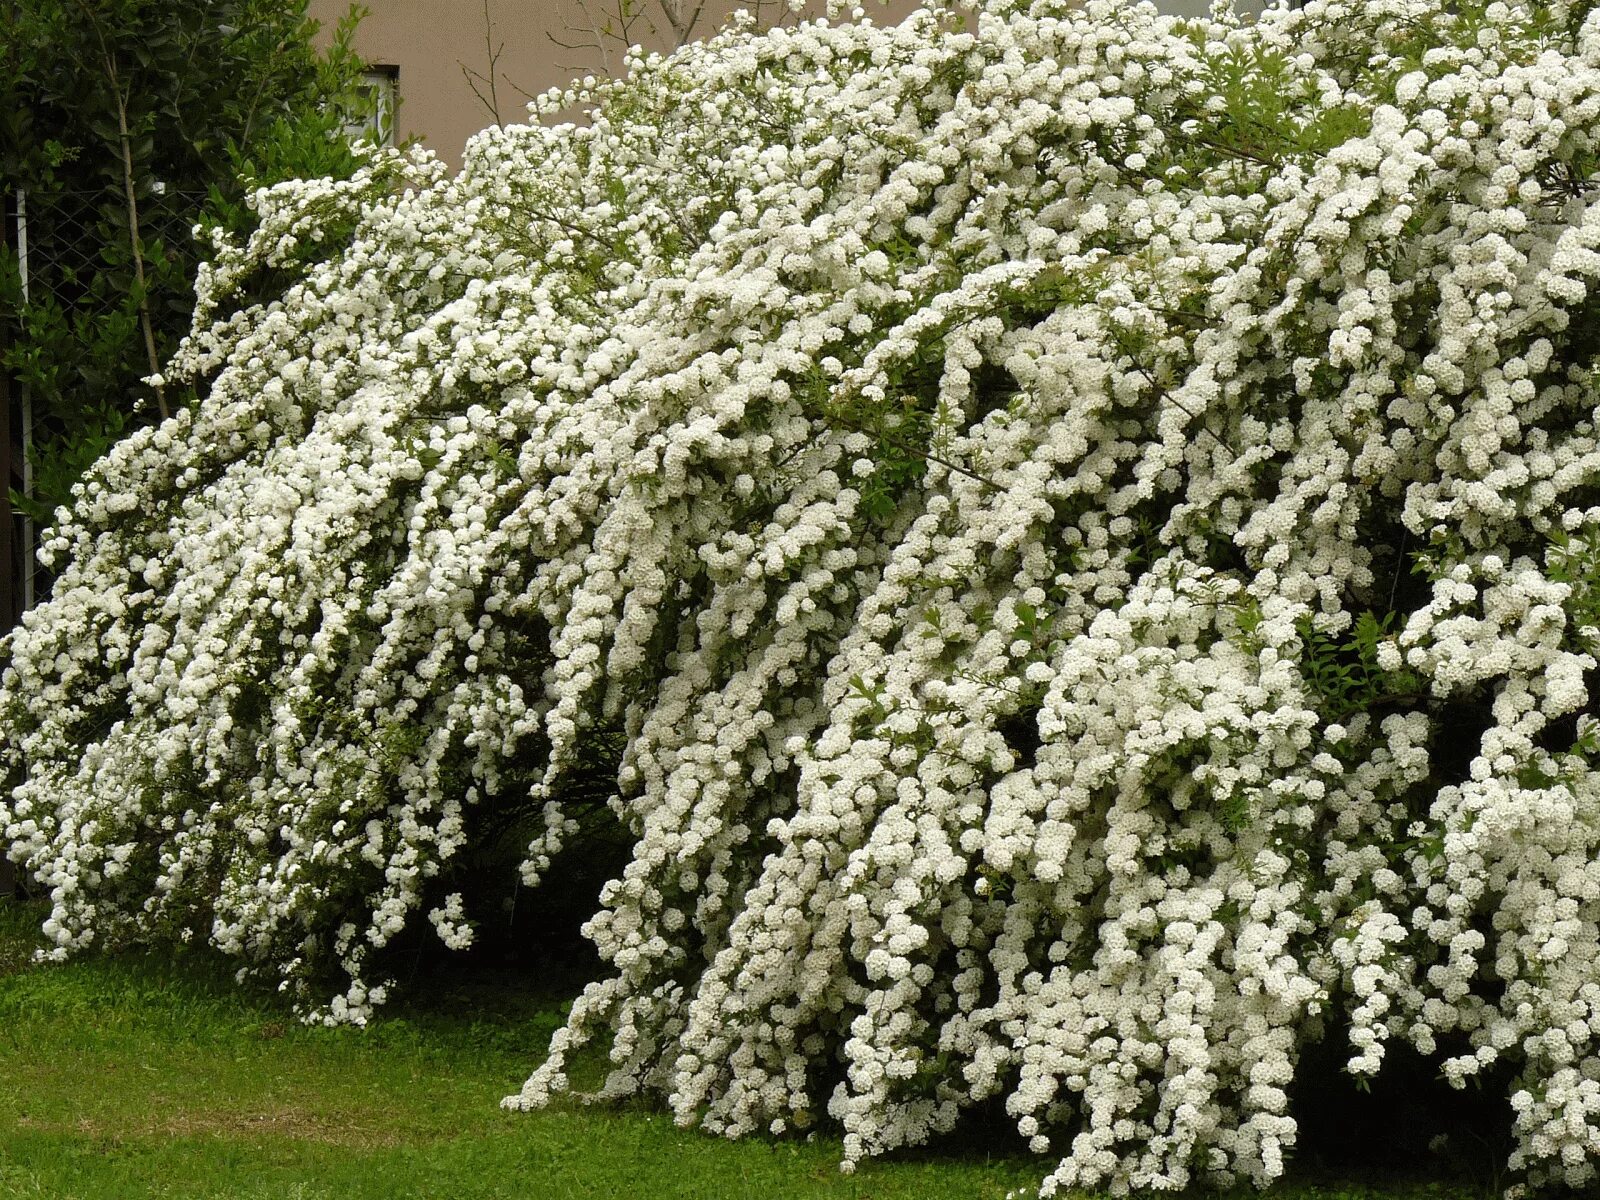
x: 1086, y: 527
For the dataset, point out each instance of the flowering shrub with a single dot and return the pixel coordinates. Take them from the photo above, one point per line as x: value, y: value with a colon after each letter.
x: 1085, y: 529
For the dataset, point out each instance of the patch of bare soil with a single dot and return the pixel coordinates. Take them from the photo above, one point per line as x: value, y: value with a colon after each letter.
x: 285, y: 1121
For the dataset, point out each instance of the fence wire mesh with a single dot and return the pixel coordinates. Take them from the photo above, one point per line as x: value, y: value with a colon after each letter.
x: 77, y: 319
x: 79, y: 245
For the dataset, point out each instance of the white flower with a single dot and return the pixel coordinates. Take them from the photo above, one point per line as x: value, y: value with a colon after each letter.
x: 934, y: 458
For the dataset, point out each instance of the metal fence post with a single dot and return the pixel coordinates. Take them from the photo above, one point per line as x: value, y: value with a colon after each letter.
x: 28, y: 565
x: 10, y: 578
x: 10, y: 566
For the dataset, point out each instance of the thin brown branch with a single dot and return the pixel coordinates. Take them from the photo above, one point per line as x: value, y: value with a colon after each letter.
x: 492, y: 54
x: 682, y: 26
x: 1198, y: 418
x: 1260, y: 157
x: 565, y: 226
x: 834, y: 416
x: 135, y: 241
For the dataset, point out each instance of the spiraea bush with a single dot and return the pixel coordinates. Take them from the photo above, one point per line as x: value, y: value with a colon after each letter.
x: 1073, y: 539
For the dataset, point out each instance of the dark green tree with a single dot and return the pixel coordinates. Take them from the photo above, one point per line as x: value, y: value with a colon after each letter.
x: 127, y: 124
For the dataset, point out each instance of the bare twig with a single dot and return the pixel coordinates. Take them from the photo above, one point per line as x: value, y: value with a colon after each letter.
x: 682, y: 19
x: 833, y: 415
x: 567, y: 227
x: 602, y: 33
x: 614, y: 27
x: 1160, y: 389
x: 474, y: 78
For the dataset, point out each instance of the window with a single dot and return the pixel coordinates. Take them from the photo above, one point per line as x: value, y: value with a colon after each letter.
x: 375, y: 103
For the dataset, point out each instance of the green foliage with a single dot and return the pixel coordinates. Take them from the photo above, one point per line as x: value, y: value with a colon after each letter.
x: 1343, y: 671
x: 1575, y: 561
x: 129, y: 123
x: 1266, y: 112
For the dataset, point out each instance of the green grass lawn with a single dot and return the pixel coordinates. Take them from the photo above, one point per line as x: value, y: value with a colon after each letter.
x: 152, y: 1075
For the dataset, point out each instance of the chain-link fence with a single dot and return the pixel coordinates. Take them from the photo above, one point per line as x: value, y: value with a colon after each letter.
x: 91, y: 310
x: 79, y: 246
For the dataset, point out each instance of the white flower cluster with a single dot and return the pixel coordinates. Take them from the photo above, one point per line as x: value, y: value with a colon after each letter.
x: 1086, y: 525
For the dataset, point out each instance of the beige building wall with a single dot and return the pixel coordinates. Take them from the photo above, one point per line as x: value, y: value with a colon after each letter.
x: 430, y: 45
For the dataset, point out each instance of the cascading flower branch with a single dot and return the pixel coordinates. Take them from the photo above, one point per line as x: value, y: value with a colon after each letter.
x: 1085, y: 526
